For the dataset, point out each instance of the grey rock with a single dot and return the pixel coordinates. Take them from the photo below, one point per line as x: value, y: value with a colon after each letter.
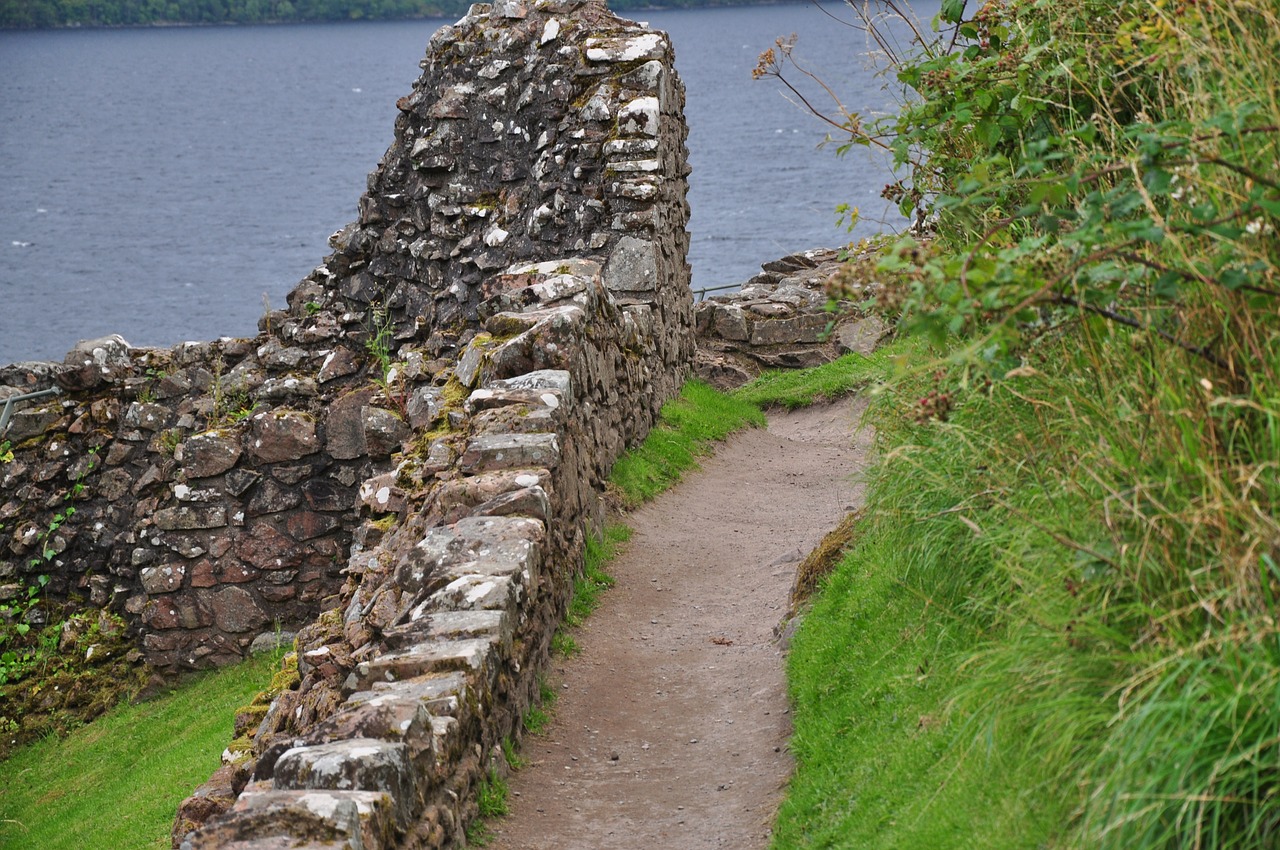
x: 489, y: 452
x: 283, y: 435
x: 209, y: 454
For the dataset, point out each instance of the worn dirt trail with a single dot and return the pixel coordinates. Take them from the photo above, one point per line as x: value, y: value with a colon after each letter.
x: 672, y: 724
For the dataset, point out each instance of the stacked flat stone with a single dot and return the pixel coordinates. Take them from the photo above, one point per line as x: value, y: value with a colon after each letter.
x: 780, y: 319
x: 408, y: 689
x: 219, y: 487
x: 407, y: 459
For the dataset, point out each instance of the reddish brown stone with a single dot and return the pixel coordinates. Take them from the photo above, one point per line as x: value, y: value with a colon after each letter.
x: 202, y: 574
x: 267, y: 549
x: 204, y: 455
x: 160, y: 614
x: 277, y: 593
x: 305, y: 525
x: 236, y: 573
x: 235, y: 610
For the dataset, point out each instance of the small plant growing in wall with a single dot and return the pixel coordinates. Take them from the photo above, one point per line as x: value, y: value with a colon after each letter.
x: 381, y: 347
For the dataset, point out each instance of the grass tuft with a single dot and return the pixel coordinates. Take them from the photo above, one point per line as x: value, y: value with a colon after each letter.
x: 793, y: 388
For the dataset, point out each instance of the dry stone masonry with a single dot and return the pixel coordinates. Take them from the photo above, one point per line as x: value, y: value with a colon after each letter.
x: 406, y: 461
x: 780, y: 319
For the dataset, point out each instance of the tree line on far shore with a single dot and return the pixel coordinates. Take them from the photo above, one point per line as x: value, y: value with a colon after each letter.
x: 36, y: 14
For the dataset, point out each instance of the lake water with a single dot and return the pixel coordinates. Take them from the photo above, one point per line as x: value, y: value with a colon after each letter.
x: 165, y: 184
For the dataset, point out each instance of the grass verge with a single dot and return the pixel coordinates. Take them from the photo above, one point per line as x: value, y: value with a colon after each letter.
x: 793, y: 388
x: 689, y: 428
x: 118, y: 781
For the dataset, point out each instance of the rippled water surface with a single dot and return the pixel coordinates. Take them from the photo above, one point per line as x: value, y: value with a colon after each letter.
x: 165, y: 184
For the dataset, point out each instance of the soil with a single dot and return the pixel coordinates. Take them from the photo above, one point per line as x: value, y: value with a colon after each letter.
x: 672, y: 724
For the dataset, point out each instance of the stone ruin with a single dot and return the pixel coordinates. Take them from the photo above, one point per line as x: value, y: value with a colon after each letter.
x: 406, y: 462
x: 779, y: 319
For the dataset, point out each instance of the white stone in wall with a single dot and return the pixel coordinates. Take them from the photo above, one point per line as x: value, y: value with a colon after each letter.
x: 640, y: 117
x: 647, y: 46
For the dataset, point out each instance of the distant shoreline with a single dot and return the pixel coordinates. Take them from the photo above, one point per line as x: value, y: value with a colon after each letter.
x: 622, y: 12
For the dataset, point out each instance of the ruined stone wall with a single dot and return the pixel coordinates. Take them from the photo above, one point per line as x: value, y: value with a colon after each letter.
x: 212, y: 491
x: 406, y: 460
x: 783, y: 318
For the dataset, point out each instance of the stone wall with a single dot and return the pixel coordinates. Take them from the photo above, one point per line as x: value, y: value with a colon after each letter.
x: 406, y: 460
x: 211, y: 492
x: 780, y: 319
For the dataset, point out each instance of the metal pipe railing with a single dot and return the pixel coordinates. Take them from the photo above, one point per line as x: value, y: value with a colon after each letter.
x: 704, y: 290
x: 11, y: 400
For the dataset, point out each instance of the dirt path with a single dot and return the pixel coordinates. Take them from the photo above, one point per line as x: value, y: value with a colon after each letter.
x: 672, y: 723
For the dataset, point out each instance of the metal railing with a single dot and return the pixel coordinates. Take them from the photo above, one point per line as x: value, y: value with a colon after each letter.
x: 704, y: 290
x: 13, y: 399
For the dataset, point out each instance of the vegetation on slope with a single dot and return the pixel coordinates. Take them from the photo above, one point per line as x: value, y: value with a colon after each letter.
x: 118, y: 781
x: 689, y: 428
x: 1058, y: 626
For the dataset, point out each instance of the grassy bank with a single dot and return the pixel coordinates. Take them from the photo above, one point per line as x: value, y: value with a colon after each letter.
x: 1058, y: 625
x: 118, y: 781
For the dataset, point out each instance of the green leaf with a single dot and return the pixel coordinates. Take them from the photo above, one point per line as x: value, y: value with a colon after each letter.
x: 1158, y: 181
x: 1167, y: 286
x: 953, y: 11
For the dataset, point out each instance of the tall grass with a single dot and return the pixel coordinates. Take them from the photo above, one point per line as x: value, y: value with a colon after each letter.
x: 1098, y: 531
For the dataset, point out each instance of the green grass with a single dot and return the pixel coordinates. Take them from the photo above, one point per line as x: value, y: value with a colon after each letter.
x: 1025, y: 647
x: 593, y: 581
x: 118, y: 781
x: 892, y: 747
x: 1072, y: 572
x: 690, y: 427
x: 792, y: 388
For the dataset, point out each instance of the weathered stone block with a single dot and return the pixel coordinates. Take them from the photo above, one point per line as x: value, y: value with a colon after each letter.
x: 861, y: 336
x: 358, y: 764
x: 632, y: 267
x: 190, y: 517
x: 326, y: 494
x: 272, y: 497
x: 729, y: 322
x: 296, y: 820
x: 236, y: 611
x: 382, y: 493
x: 809, y: 328
x: 147, y: 417
x: 430, y: 657
x: 489, y: 452
x: 443, y: 694
x: 384, y: 431
x: 164, y: 579
x: 392, y: 718
x: 628, y: 49
x: 283, y: 435
x: 493, y: 546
